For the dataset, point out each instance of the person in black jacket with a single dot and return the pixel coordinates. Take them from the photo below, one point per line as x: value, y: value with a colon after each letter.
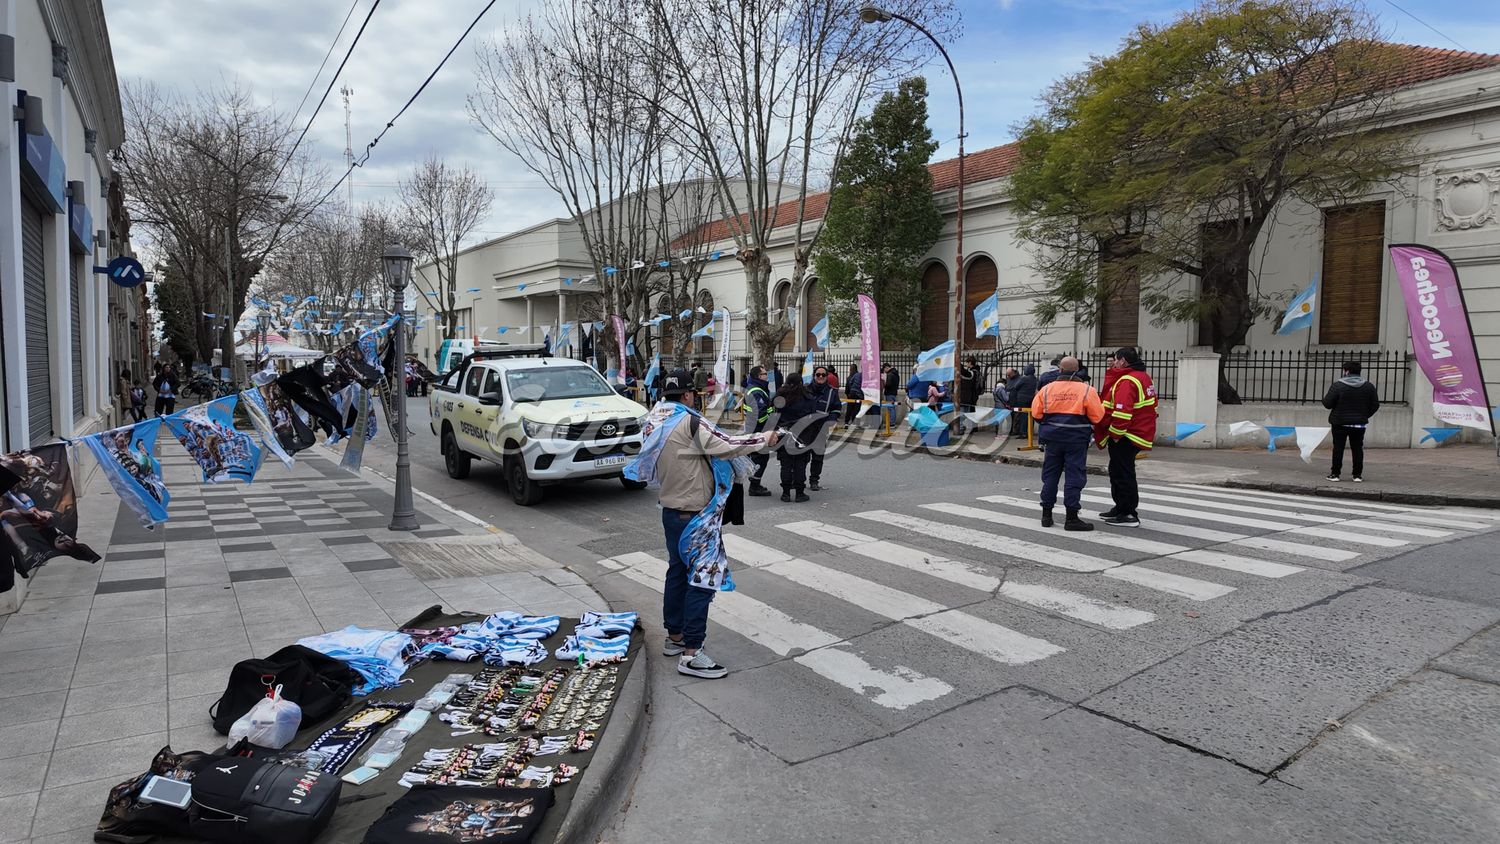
x: 1351, y: 401
x: 798, y: 413
x: 968, y: 385
x: 166, y: 385
x: 1023, y: 389
x: 827, y: 400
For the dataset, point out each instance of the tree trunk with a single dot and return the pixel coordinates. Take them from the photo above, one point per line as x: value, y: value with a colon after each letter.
x: 757, y: 282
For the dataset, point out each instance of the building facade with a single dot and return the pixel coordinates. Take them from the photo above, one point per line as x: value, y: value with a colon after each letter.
x: 65, y: 332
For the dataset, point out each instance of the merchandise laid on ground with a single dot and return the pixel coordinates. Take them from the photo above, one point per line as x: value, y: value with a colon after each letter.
x: 457, y: 727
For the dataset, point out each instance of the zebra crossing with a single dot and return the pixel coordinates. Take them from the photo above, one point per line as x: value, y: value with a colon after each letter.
x: 983, y: 578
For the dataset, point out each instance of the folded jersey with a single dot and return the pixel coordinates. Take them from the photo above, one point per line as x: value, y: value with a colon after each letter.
x: 594, y: 649
x: 602, y: 625
x: 515, y: 651
x: 380, y: 656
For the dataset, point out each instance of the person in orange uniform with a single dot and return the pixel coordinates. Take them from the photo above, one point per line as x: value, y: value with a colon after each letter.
x: 1127, y: 430
x: 1066, y: 411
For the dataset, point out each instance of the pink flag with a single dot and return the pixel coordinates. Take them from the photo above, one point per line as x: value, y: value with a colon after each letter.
x: 619, y: 323
x: 1441, y: 336
x: 869, y: 348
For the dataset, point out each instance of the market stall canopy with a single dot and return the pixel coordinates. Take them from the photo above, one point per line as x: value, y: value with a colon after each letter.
x: 275, y: 348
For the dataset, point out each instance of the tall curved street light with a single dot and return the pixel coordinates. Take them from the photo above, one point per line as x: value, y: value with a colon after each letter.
x: 397, y: 264
x: 875, y: 14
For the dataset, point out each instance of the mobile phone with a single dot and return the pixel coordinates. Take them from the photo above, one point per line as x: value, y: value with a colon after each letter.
x: 167, y: 792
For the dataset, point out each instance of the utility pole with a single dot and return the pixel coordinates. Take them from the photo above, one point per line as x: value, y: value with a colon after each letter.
x: 348, y: 151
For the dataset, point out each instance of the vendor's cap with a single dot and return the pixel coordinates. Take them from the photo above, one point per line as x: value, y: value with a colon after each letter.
x: 677, y: 382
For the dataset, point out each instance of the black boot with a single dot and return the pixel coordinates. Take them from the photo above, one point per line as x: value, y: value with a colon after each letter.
x: 1075, y: 523
x: 1046, y: 517
x: 814, y: 486
x: 757, y: 489
x: 786, y: 494
x: 802, y: 497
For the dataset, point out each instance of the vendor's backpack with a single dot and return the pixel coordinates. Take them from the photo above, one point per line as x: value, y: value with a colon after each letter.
x: 318, y: 683
x: 255, y: 800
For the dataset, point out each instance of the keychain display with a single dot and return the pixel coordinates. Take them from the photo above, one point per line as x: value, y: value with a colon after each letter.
x: 575, y: 743
x: 541, y: 777
x: 472, y: 764
x: 341, y: 742
x: 583, y: 702
x: 499, y: 701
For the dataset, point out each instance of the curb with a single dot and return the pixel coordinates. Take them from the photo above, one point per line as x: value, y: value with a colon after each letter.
x: 611, y: 776
x: 1389, y: 497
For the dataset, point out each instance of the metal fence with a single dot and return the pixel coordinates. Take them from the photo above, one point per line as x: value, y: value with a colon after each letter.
x: 1302, y: 377
x: 1162, y: 365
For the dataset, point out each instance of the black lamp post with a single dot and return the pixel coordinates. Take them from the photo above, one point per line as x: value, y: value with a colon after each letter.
x: 397, y: 275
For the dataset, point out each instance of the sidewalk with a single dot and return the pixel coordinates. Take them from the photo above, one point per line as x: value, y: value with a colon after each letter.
x: 105, y: 664
x: 1450, y: 475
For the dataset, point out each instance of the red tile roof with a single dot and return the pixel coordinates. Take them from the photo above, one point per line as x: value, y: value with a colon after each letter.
x: 1409, y: 64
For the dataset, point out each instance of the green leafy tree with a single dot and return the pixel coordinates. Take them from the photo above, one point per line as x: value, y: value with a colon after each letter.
x: 1159, y: 166
x: 882, y: 219
x: 179, y: 316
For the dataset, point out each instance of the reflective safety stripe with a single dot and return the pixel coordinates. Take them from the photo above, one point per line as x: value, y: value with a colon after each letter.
x: 1119, y: 432
x: 1140, y: 441
x: 1141, y: 399
x: 1120, y: 414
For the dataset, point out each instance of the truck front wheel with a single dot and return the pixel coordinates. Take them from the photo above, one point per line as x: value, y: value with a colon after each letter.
x: 523, y: 490
x: 454, y: 458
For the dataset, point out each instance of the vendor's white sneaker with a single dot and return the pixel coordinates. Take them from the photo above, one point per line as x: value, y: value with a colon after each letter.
x: 672, y: 647
x: 700, y: 665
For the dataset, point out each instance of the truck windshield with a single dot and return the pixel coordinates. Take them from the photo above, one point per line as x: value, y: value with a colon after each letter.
x: 548, y: 383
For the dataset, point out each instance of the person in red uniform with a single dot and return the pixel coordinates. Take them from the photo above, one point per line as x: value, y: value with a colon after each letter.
x: 1128, y: 428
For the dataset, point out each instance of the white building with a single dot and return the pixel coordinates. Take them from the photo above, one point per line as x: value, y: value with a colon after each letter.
x: 60, y: 324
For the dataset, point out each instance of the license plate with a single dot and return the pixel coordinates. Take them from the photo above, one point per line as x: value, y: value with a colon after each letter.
x: 617, y: 460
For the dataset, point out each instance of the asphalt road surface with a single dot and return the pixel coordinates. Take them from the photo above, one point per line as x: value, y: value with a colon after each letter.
x: 914, y: 658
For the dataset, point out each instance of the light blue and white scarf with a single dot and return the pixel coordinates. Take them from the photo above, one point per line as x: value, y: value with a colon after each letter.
x: 702, y: 543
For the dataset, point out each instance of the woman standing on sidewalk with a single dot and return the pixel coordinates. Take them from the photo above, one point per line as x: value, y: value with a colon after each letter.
x: 166, y: 391
x: 798, y: 414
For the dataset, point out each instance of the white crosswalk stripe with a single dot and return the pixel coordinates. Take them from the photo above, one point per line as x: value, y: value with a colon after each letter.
x: 1242, y: 507
x: 759, y: 622
x: 972, y: 633
x: 1231, y: 562
x: 1265, y: 524
x: 1173, y: 584
x: 1392, y: 527
x: 1044, y: 554
x: 1300, y: 549
x: 1074, y: 605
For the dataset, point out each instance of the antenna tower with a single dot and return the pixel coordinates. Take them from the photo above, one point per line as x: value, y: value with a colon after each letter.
x: 348, y: 151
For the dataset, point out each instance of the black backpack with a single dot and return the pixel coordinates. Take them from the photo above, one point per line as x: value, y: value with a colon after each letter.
x: 254, y: 800
x: 319, y: 684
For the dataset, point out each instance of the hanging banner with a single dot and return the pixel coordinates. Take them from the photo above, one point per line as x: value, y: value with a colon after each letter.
x: 125, y: 455
x: 274, y: 416
x: 207, y: 432
x: 619, y: 324
x: 721, y: 365
x: 869, y: 348
x: 38, y: 511
x: 1441, y: 336
x: 364, y: 430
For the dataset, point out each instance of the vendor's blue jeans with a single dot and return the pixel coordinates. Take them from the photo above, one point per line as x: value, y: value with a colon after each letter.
x: 1059, y: 459
x: 684, y: 607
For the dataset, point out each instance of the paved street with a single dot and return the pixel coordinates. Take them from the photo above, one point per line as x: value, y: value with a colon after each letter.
x: 1245, y: 666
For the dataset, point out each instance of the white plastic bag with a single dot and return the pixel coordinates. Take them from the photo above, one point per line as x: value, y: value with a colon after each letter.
x: 272, y: 722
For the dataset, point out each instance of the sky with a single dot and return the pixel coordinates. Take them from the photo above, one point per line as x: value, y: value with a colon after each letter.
x: 1006, y: 53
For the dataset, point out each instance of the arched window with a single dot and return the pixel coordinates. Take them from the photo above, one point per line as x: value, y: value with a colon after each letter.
x: 704, y: 345
x: 935, y: 305
x: 814, y: 307
x: 979, y: 284
x: 779, y: 302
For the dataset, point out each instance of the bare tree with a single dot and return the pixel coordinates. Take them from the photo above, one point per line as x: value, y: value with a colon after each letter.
x: 440, y: 206
x: 767, y: 91
x: 334, y: 259
x: 214, y: 183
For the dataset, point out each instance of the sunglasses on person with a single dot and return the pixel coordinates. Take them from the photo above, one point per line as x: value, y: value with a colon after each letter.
x: 820, y: 375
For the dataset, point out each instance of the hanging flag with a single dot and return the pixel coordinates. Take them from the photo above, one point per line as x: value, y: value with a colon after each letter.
x: 1187, y: 429
x: 364, y: 430
x: 1308, y: 439
x: 638, y: 265
x: 807, y: 367
x: 207, y: 432
x: 619, y: 324
x: 1441, y: 336
x: 38, y: 511
x: 869, y: 348
x: 565, y: 335
x: 1438, y: 435
x: 685, y: 314
x: 721, y: 365
x: 988, y: 416
x: 935, y: 364
x: 664, y: 263
x: 630, y: 348
x: 1276, y: 431
x: 502, y: 329
x: 610, y: 270
x: 1238, y: 428
x: 791, y: 317
x: 274, y: 416
x: 125, y: 455
x: 472, y: 290
x: 820, y: 332
x: 707, y: 330
x: 987, y: 317
x: 651, y: 375
x: 568, y: 282
x: 520, y: 287
x: 1299, y: 312
x: 715, y: 256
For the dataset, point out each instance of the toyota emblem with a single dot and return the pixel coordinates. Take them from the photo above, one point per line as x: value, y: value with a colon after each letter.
x: 608, y: 429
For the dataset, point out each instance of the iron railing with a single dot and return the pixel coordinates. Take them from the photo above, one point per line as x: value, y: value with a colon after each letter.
x: 1302, y: 377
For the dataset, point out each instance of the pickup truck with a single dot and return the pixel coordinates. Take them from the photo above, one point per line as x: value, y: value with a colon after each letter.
x: 541, y: 419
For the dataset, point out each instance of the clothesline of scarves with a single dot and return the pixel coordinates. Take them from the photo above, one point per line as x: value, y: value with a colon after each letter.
x: 335, y: 394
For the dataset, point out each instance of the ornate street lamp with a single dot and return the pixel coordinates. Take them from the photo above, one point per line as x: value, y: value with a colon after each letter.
x: 397, y: 275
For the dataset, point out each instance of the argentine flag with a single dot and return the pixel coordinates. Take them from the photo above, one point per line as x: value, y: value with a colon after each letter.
x: 1299, y: 313
x: 807, y: 368
x: 653, y: 371
x: 706, y: 331
x: 936, y: 364
x: 564, y: 335
x: 820, y: 332
x: 987, y: 317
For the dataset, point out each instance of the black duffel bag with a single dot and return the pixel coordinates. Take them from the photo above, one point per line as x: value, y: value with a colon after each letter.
x: 319, y: 684
x: 255, y: 800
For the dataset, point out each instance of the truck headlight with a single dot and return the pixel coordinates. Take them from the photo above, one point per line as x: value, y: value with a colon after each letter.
x: 544, y: 430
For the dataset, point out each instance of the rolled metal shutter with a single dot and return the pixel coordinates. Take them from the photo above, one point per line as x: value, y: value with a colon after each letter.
x: 75, y: 319
x: 38, y: 358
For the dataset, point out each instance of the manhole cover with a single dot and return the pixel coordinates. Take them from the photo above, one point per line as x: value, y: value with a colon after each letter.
x: 439, y: 561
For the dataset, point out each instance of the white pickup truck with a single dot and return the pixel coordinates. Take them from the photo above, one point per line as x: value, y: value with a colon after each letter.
x: 542, y: 419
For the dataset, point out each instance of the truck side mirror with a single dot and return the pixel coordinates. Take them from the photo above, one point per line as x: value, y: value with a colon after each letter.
x: 490, y: 399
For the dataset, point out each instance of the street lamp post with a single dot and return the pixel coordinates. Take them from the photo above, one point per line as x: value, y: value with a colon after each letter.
x: 398, y: 274
x: 875, y: 14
